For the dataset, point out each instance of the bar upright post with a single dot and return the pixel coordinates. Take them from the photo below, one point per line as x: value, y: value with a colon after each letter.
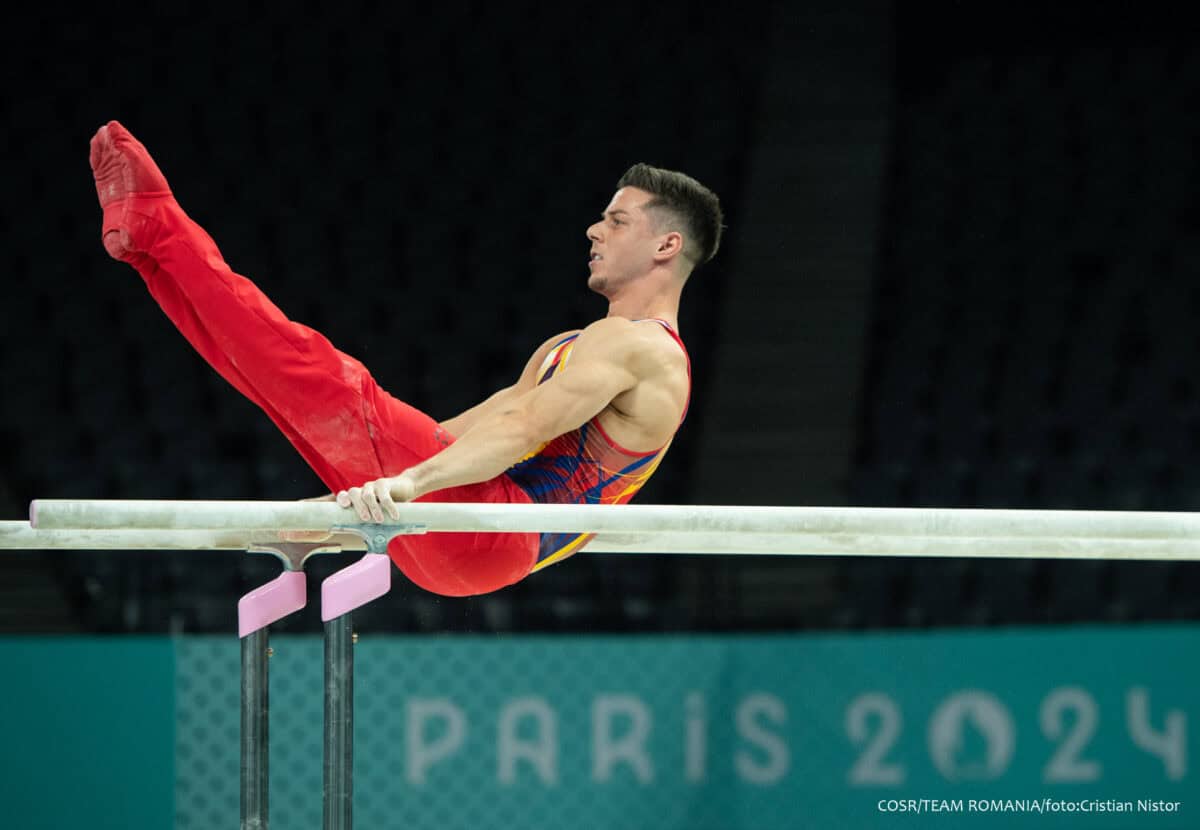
x: 256, y: 611
x: 344, y: 591
x: 339, y: 724
x: 255, y: 736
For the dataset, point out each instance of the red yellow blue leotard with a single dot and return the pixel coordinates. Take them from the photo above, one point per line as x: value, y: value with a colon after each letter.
x: 583, y: 466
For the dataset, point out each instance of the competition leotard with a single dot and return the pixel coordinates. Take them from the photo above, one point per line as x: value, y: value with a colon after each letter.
x: 583, y: 466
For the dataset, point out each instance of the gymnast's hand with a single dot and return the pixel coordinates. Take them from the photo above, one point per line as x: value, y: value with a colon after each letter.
x: 375, y: 498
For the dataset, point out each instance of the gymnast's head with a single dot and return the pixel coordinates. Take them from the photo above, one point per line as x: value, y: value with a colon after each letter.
x: 660, y: 224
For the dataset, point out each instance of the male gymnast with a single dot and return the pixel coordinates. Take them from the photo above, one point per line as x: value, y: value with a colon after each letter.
x: 587, y: 421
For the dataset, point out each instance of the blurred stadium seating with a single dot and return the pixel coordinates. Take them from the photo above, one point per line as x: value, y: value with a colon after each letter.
x: 1032, y: 341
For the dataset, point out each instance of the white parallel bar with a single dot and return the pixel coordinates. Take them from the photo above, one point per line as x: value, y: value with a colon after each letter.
x: 986, y: 547
x: 54, y: 514
x: 18, y: 535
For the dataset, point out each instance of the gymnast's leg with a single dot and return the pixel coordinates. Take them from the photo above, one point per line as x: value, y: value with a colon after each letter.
x: 316, y: 394
x: 345, y: 426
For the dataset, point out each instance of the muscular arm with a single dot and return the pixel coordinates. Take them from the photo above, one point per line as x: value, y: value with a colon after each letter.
x: 517, y: 424
x: 600, y: 370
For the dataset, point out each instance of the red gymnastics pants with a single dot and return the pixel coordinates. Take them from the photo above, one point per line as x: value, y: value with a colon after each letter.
x: 346, y: 427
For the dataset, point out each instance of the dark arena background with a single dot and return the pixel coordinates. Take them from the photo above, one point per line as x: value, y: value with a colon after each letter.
x: 961, y: 269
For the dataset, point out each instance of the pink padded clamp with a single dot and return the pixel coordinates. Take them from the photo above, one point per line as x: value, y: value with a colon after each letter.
x: 367, y: 579
x: 269, y: 603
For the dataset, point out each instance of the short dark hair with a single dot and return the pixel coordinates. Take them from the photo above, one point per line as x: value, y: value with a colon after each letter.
x: 693, y: 209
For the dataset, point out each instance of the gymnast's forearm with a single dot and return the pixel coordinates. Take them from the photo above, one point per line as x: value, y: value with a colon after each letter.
x: 485, y: 451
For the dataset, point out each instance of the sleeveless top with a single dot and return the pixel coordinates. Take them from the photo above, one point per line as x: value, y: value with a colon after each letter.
x: 584, y: 466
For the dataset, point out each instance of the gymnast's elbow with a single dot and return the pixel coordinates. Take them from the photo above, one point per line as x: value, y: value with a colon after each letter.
x: 526, y: 427
x: 539, y: 425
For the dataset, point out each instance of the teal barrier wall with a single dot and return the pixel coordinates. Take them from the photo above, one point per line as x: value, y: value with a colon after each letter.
x: 1076, y: 727
x: 87, y: 727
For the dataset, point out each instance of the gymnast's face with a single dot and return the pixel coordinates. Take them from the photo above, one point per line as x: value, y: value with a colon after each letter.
x: 623, y: 242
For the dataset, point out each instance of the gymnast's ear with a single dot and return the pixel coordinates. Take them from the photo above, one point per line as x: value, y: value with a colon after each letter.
x: 669, y: 246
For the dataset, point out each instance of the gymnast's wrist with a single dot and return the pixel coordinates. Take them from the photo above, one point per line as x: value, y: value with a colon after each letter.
x: 411, y: 484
